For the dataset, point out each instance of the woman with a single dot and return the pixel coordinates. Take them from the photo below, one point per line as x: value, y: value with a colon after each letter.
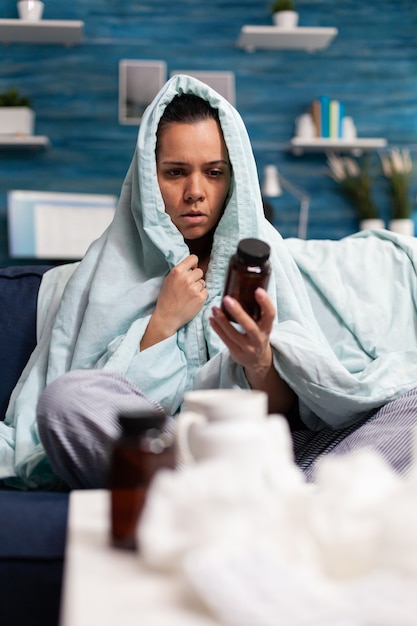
x: 194, y: 175
x: 139, y: 321
x: 136, y: 318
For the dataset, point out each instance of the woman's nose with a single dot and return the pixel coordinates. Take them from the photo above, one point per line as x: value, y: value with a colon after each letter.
x: 194, y: 188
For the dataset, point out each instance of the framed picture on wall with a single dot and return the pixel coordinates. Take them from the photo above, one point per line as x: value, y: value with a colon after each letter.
x: 139, y: 82
x: 55, y: 225
x: 222, y: 82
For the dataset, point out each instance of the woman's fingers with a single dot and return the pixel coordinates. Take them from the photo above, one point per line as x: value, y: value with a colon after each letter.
x: 268, y: 312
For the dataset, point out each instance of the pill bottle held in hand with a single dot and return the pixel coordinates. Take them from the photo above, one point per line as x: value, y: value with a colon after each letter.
x: 249, y: 268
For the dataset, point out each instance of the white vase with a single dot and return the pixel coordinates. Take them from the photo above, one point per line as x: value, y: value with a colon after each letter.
x: 371, y: 224
x: 304, y: 126
x: 403, y: 226
x: 30, y: 10
x: 285, y: 19
x: 348, y: 128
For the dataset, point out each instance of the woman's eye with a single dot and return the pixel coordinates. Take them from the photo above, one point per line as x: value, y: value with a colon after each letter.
x: 174, y: 173
x: 215, y: 173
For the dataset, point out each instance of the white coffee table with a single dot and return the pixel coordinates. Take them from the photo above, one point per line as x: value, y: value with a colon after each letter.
x: 106, y: 586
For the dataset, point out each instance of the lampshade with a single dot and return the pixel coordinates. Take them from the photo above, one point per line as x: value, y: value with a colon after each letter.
x: 271, y: 186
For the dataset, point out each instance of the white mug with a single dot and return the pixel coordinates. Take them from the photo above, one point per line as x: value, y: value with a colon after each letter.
x: 220, y: 422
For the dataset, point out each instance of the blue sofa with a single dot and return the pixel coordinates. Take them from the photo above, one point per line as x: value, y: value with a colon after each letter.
x: 32, y: 524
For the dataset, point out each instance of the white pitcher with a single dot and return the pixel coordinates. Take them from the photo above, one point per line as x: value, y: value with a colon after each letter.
x: 226, y: 423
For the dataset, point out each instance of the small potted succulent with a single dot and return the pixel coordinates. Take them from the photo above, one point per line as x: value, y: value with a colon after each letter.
x: 16, y: 114
x: 284, y: 13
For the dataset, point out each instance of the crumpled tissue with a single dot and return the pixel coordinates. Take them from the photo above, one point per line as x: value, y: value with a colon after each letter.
x: 261, y: 546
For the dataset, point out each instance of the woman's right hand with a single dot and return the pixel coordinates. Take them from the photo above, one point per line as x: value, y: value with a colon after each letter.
x: 183, y: 293
x: 182, y: 296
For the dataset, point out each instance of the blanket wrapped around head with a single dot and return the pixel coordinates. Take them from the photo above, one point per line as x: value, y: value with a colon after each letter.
x: 107, y: 302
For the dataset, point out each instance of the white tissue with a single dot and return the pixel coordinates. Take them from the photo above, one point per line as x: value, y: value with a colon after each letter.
x: 211, y: 503
x: 347, y: 510
x: 341, y: 552
x: 256, y: 588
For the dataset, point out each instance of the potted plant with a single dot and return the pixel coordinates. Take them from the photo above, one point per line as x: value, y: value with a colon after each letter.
x: 355, y: 181
x: 284, y: 14
x: 16, y: 114
x: 397, y: 168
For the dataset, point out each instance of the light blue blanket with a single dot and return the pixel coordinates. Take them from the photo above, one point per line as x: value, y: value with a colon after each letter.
x: 363, y: 290
x: 108, y: 298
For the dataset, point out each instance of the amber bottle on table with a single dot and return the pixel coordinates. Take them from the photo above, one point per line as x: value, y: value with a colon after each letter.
x: 143, y: 448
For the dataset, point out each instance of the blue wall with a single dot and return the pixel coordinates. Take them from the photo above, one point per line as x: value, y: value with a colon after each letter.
x: 371, y: 66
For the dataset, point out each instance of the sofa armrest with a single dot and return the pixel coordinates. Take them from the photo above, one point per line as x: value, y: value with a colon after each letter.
x: 18, y: 301
x: 33, y: 528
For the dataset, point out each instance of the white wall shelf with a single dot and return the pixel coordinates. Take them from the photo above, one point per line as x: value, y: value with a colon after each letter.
x: 299, y: 145
x: 23, y: 141
x: 64, y: 32
x: 278, y: 38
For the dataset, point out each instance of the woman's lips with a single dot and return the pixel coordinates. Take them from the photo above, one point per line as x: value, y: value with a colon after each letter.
x: 194, y: 218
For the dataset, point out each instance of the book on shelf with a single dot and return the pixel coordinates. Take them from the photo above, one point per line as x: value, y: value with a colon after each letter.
x: 327, y: 115
x: 342, y: 115
x: 334, y: 119
x: 316, y: 117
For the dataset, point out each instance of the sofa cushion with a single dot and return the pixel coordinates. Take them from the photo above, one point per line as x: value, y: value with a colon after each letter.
x: 18, y: 299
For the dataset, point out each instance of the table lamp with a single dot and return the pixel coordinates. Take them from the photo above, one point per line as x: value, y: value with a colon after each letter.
x: 272, y: 185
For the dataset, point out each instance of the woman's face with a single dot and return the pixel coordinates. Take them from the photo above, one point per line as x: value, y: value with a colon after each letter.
x: 194, y: 175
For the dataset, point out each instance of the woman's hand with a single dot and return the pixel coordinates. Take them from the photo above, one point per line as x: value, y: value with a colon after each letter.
x: 182, y: 296
x: 183, y: 293
x: 252, y: 349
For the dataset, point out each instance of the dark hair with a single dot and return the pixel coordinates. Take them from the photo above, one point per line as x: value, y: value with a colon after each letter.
x: 186, y: 108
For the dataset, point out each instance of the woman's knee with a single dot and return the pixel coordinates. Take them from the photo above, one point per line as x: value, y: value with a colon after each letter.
x: 77, y: 424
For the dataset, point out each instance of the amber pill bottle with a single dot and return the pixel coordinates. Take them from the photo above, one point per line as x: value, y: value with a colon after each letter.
x: 249, y: 268
x: 142, y: 448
